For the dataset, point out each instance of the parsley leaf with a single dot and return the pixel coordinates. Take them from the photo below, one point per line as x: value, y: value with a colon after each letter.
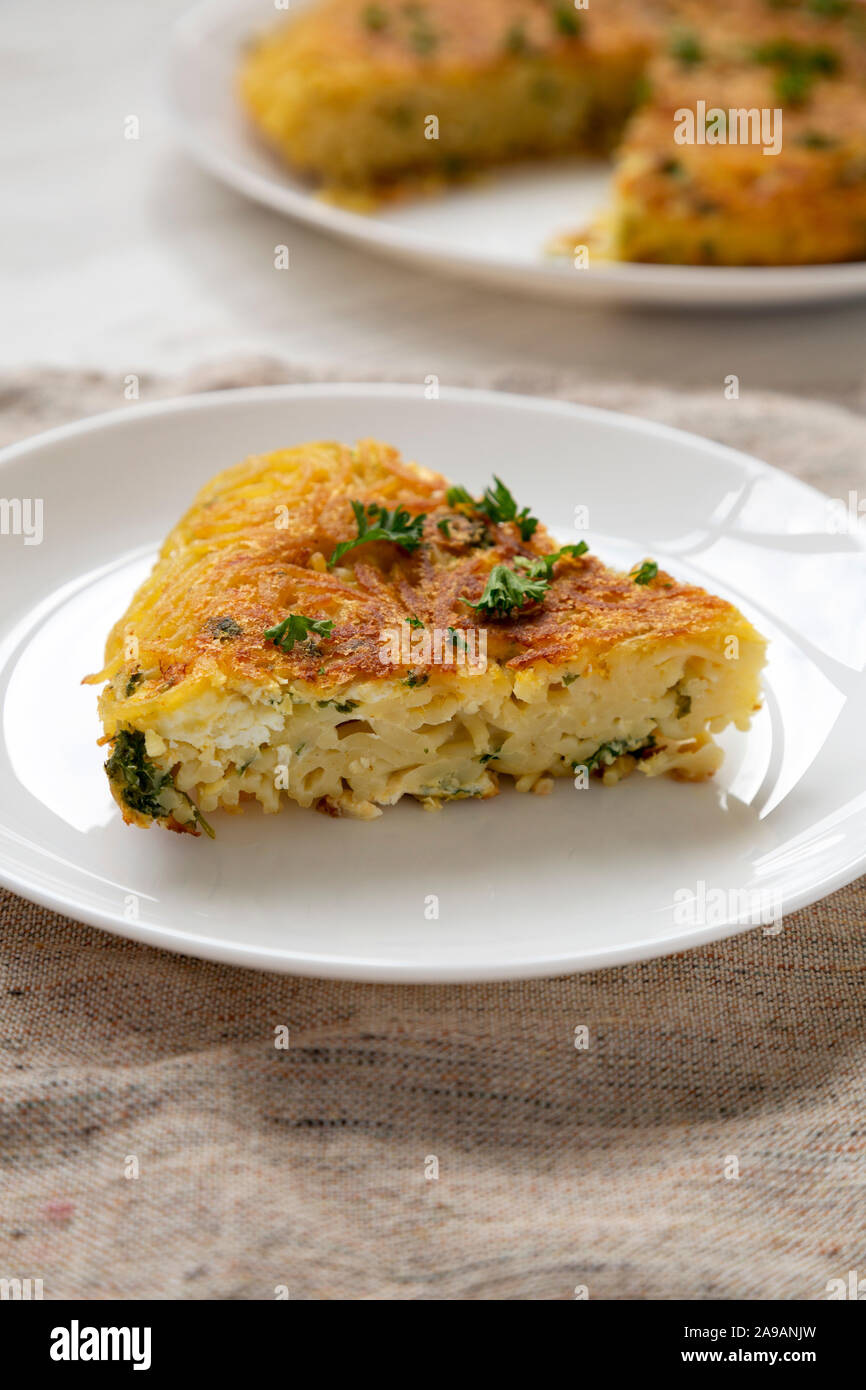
x: 542, y: 566
x: 506, y: 590
x: 565, y: 21
x: 645, y: 573
x: 295, y: 628
x: 458, y: 497
x: 686, y: 48
x: 516, y: 40
x: 375, y: 18
x: 138, y: 780
x: 798, y: 65
x: 497, y: 505
x: 396, y: 526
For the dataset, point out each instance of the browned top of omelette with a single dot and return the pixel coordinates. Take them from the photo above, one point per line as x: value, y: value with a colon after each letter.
x: 255, y: 546
x: 432, y: 33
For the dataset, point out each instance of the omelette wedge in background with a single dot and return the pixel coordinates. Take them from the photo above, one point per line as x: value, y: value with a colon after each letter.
x: 376, y: 100
x: 345, y: 90
x: 337, y: 627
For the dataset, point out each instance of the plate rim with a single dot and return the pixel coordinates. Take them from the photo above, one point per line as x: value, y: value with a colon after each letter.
x: 687, y: 286
x: 387, y: 970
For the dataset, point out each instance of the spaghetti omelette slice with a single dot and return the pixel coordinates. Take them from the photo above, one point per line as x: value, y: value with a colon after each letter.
x: 339, y: 628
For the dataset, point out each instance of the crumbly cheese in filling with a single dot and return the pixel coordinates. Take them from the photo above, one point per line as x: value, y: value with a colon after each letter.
x: 451, y: 737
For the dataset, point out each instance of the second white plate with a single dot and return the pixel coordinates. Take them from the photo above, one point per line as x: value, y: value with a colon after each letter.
x: 515, y: 886
x: 494, y: 231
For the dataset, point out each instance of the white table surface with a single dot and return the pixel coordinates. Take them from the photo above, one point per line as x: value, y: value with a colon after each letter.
x: 120, y: 254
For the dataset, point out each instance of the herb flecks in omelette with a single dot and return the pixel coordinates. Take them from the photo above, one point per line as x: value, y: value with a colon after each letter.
x: 296, y: 628
x: 506, y: 592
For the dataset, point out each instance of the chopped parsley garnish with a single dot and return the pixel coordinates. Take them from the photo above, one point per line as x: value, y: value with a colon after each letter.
x: 792, y: 86
x: 506, y: 591
x: 799, y: 65
x: 134, y: 681
x: 516, y: 40
x: 541, y: 567
x: 375, y: 18
x: 645, y: 573
x: 341, y: 706
x: 459, y: 497
x: 471, y: 532
x: 566, y: 21
x: 424, y: 41
x: 421, y: 35
x: 642, y: 89
x: 296, y: 628
x: 497, y: 505
x: 815, y: 140
x: 414, y: 622
x: 414, y: 679
x: 684, y: 705
x: 787, y: 54
x: 224, y: 629
x: 138, y: 779
x: 458, y: 640
x: 686, y: 48
x: 396, y: 526
x: 570, y: 677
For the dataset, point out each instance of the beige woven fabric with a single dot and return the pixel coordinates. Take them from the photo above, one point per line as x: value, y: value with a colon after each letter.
x: 305, y: 1169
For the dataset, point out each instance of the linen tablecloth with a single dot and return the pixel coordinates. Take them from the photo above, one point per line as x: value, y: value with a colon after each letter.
x: 607, y: 1170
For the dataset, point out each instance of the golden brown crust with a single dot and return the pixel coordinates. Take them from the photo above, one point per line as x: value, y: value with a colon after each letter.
x: 440, y: 34
x: 253, y: 549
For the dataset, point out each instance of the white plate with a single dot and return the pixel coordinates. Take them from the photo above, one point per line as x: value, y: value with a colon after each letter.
x: 526, y: 885
x: 495, y: 231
